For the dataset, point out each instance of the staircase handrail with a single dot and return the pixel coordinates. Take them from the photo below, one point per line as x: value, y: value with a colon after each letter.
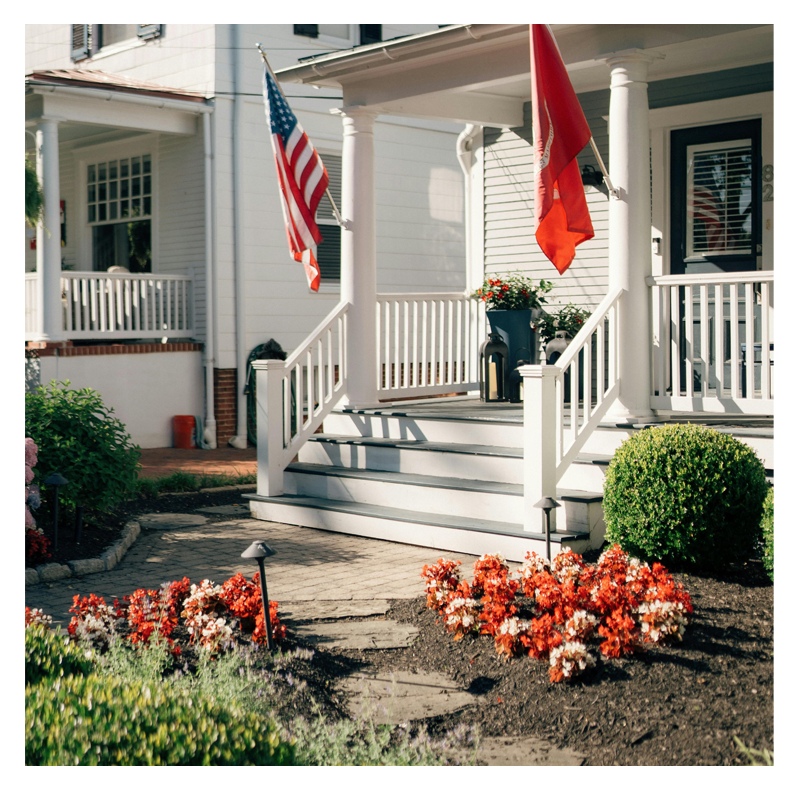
x: 284, y: 425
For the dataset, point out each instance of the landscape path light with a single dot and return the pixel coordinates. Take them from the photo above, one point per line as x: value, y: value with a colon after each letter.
x: 259, y: 551
x: 548, y: 504
x: 56, y: 480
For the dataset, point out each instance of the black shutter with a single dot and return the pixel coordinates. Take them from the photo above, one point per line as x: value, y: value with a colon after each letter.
x: 80, y: 42
x: 370, y: 34
x: 306, y: 30
x: 149, y: 31
x: 329, y: 252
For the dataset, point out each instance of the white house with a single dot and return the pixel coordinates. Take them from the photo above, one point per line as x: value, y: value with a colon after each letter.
x: 152, y: 142
x: 682, y: 292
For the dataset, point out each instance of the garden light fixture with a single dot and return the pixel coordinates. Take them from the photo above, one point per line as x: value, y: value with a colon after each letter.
x: 56, y: 480
x: 548, y: 504
x: 259, y: 551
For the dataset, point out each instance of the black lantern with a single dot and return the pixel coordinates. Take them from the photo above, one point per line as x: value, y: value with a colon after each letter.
x: 494, y: 374
x: 259, y: 551
x: 547, y: 504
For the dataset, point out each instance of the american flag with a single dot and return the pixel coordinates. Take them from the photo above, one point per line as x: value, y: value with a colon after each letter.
x: 301, y: 175
x: 705, y: 209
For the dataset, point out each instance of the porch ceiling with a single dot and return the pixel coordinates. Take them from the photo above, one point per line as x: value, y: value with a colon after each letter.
x: 481, y: 73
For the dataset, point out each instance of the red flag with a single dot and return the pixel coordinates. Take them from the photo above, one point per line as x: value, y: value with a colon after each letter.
x: 560, y: 132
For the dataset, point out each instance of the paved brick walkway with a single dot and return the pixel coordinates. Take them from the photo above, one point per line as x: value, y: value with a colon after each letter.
x: 309, y: 565
x: 157, y: 462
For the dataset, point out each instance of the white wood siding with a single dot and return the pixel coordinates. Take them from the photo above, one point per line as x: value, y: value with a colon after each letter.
x: 509, y: 241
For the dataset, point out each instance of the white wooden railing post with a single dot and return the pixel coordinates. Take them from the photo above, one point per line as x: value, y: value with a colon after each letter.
x: 269, y: 422
x: 540, y: 419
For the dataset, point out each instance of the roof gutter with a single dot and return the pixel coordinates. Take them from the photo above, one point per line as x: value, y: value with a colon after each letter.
x: 186, y: 106
x: 340, y: 63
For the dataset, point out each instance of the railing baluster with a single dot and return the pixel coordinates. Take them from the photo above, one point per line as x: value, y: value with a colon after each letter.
x: 733, y: 310
x: 406, y: 379
x: 425, y: 378
x: 704, y: 369
x: 442, y: 361
x: 719, y: 325
x: 766, y: 336
x: 587, y: 379
x: 298, y: 384
x: 749, y: 338
x: 601, y: 362
x: 688, y: 324
x: 675, y: 342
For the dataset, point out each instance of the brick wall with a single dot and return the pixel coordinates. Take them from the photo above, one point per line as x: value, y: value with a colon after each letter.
x: 225, y: 404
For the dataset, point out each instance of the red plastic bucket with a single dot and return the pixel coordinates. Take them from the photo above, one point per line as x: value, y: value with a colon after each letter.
x: 183, y: 431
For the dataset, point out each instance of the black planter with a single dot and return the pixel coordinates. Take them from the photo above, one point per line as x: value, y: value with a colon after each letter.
x: 514, y: 327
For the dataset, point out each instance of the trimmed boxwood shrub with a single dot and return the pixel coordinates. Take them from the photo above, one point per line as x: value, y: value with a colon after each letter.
x: 93, y: 720
x: 768, y: 532
x: 684, y: 494
x: 79, y: 437
x: 49, y: 655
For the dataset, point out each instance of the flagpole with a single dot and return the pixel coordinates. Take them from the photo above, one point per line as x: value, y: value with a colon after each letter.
x: 277, y: 84
x: 606, y: 178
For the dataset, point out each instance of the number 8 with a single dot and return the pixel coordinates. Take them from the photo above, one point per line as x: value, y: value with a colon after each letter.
x: 767, y: 172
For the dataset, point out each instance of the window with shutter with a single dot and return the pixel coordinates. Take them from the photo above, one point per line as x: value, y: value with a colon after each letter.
x: 329, y: 250
x: 370, y: 34
x: 715, y: 204
x: 306, y: 30
x: 149, y: 31
x: 80, y: 42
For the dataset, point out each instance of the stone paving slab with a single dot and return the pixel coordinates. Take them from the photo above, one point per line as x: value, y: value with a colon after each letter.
x: 168, y: 521
x: 525, y: 752
x: 385, y: 634
x: 320, y: 610
x: 229, y: 510
x: 400, y: 696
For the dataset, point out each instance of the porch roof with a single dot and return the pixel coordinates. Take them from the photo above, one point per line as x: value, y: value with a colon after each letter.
x: 480, y: 74
x: 88, y: 78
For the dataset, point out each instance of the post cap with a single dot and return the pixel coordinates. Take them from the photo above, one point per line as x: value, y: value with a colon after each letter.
x: 258, y: 550
x: 547, y: 503
x: 56, y: 480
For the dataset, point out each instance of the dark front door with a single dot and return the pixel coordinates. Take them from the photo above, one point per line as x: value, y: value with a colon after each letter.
x: 715, y: 201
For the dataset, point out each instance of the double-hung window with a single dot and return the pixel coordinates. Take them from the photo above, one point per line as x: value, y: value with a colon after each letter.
x: 89, y: 40
x: 119, y: 208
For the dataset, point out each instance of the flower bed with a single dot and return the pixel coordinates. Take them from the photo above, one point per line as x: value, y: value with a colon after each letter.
x: 207, y: 611
x: 570, y: 604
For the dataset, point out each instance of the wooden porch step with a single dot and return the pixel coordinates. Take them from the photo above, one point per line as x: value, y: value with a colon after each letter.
x: 444, y: 532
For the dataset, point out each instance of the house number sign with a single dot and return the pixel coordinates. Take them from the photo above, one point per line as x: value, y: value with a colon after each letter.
x: 767, y: 173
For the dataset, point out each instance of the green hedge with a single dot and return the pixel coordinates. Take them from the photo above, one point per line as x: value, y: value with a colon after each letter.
x: 49, y: 655
x: 79, y: 437
x: 93, y: 720
x: 684, y: 494
x: 768, y: 532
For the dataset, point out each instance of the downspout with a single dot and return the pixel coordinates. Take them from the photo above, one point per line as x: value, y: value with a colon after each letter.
x: 210, y: 432
x: 464, y: 150
x: 239, y: 440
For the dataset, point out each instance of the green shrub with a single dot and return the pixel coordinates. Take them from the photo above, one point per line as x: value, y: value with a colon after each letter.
x: 768, y: 532
x: 684, y: 494
x: 105, y: 721
x: 79, y: 437
x: 48, y: 655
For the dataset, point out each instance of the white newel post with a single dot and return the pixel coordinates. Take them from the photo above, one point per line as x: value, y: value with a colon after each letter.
x: 539, y: 421
x: 269, y: 426
x: 629, y: 229
x: 48, y: 245
x: 359, y: 285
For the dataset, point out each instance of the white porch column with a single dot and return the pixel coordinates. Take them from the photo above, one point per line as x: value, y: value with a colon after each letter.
x: 358, y: 262
x: 48, y: 245
x: 629, y: 229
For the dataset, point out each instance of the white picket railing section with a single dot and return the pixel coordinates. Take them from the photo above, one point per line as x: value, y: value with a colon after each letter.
x: 713, y: 342
x: 99, y: 305
x: 295, y: 396
x: 565, y: 402
x: 31, y: 305
x: 428, y: 344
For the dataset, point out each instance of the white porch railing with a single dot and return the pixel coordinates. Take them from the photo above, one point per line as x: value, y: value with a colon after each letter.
x: 99, y: 305
x: 713, y: 343
x: 565, y: 402
x: 428, y: 344
x: 295, y: 396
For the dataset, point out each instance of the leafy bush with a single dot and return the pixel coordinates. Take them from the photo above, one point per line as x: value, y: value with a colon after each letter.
x: 79, y: 437
x: 768, y: 532
x: 684, y: 494
x: 93, y: 720
x: 49, y: 655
